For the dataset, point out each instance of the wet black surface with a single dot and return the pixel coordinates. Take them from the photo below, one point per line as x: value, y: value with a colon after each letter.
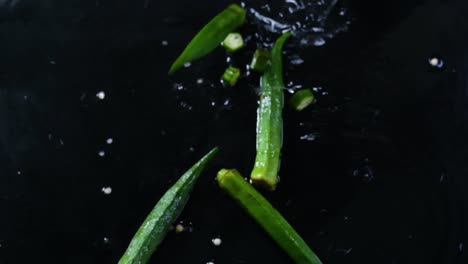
x: 381, y: 181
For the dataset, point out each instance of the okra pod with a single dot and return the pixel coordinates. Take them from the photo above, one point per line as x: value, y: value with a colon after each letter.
x: 270, y: 120
x: 211, y: 35
x: 157, y: 223
x: 267, y: 216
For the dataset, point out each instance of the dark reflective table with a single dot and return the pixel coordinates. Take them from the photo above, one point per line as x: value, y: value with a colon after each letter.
x: 93, y: 131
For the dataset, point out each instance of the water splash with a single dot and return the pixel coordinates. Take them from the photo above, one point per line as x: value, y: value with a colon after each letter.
x: 312, y: 21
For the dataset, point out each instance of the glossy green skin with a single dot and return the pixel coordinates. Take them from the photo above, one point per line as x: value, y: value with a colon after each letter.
x: 157, y: 223
x: 301, y: 99
x: 268, y: 217
x: 211, y: 35
x: 231, y: 75
x: 260, y: 60
x: 270, y: 120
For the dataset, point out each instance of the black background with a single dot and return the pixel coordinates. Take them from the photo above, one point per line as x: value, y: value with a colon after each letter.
x: 383, y: 182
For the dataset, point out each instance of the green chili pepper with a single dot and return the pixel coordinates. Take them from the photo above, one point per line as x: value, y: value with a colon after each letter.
x: 268, y: 217
x: 301, y: 99
x: 157, y: 223
x: 211, y: 35
x: 270, y: 121
x: 231, y: 75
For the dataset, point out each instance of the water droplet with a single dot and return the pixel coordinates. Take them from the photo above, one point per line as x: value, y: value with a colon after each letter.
x: 216, y: 241
x: 52, y: 62
x: 101, y: 153
x: 296, y: 60
x: 192, y: 149
x: 309, y: 137
x: 106, y: 190
x: 200, y: 80
x: 460, y: 247
x: 178, y: 86
x: 187, y: 64
x: 18, y: 173
x: 106, y: 240
x: 366, y: 173
x: 179, y: 228
x: 319, y: 42
x: 185, y: 105
x: 164, y: 43
x: 101, y: 95
x: 436, y: 62
x: 109, y: 141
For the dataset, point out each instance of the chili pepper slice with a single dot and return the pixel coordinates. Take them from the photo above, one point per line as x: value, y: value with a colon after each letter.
x: 269, y: 120
x: 211, y: 35
x: 157, y: 223
x: 267, y: 216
